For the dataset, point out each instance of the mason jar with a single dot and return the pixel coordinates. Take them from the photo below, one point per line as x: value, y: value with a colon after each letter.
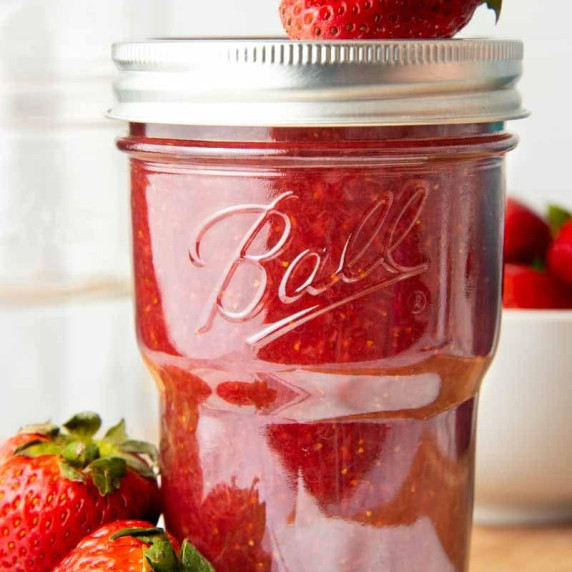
x: 317, y: 233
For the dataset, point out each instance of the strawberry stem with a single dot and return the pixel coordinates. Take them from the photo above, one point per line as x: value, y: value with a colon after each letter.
x: 496, y: 6
x: 38, y: 449
x: 117, y: 434
x: 193, y: 561
x: 139, y: 448
x: 106, y: 461
x: 83, y: 425
x: 161, y: 555
x: 71, y: 473
x: 107, y: 474
x: 557, y: 218
x: 144, y: 534
x: 80, y: 454
x: 45, y: 429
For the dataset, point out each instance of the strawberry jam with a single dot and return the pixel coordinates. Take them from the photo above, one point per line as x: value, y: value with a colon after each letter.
x: 318, y: 307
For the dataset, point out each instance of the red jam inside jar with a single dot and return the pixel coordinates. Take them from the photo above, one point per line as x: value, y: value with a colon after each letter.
x: 318, y: 307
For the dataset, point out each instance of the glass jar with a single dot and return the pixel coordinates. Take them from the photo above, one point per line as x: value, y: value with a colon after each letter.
x: 318, y: 295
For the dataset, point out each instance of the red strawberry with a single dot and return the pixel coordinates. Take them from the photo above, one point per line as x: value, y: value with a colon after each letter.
x: 560, y: 254
x: 527, y: 236
x: 132, y: 546
x: 59, y: 487
x: 525, y: 287
x: 377, y: 19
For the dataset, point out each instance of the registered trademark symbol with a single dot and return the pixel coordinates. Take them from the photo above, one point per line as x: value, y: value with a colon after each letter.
x: 417, y: 302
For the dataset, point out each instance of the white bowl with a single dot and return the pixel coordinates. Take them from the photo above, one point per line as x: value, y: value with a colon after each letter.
x: 524, y: 439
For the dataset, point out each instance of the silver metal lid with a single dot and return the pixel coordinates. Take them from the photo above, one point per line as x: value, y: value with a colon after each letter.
x: 276, y: 82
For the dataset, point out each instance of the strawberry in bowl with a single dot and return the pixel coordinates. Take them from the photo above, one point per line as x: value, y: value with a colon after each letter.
x: 538, y: 258
x: 527, y: 287
x: 524, y: 460
x: 560, y: 252
x: 527, y: 234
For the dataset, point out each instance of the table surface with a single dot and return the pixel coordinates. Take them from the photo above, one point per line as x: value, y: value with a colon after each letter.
x: 522, y: 549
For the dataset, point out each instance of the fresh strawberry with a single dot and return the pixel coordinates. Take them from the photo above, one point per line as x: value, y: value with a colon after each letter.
x: 527, y: 236
x: 378, y: 19
x: 560, y: 254
x: 132, y: 546
x: 526, y: 287
x: 58, y: 487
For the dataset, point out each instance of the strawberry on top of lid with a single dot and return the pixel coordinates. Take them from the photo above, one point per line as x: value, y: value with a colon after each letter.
x: 378, y: 19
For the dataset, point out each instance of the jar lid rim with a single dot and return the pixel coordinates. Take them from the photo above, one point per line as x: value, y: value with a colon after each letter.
x: 279, y: 82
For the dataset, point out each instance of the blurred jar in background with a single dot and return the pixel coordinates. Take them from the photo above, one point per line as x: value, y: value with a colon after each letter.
x: 66, y: 340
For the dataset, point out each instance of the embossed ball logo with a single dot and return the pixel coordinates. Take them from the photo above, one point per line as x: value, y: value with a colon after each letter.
x: 367, y: 262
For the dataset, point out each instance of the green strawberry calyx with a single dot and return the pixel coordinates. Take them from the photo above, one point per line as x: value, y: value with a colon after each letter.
x: 160, y: 555
x: 557, y: 217
x: 192, y: 560
x: 495, y: 6
x: 81, y: 456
